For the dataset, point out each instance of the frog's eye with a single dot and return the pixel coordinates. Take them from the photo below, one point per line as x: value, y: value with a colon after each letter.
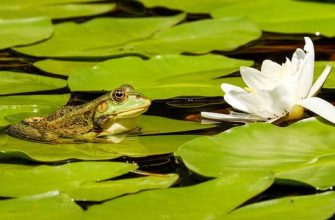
x: 102, y: 107
x: 119, y: 95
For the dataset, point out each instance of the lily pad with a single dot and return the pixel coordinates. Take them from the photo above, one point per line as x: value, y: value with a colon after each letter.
x: 16, y: 32
x: 52, y: 205
x: 195, y: 6
x: 81, y: 180
x: 13, y: 109
x: 55, y: 9
x: 206, y: 200
x: 146, y: 36
x: 62, y: 67
x: 18, y: 82
x: 89, y: 38
x: 261, y: 146
x: 319, y: 206
x: 137, y: 146
x: 281, y: 16
x: 148, y: 124
x: 162, y: 76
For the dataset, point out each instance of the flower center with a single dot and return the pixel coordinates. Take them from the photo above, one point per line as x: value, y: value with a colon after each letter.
x: 297, y: 112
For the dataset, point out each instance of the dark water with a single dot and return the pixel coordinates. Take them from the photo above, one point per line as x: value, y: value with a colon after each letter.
x: 270, y: 46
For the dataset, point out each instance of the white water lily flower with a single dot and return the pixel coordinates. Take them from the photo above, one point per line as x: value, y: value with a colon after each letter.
x: 278, y: 91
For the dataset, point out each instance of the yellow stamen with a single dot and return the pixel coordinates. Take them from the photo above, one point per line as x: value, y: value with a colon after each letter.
x: 296, y: 113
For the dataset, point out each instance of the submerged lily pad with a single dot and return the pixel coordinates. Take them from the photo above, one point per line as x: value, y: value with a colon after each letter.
x: 81, y: 180
x: 291, y: 152
x: 52, y: 205
x: 103, y: 37
x: 206, y: 200
x: 13, y: 109
x: 18, y: 82
x: 16, y: 32
x: 136, y: 146
x: 284, y: 16
x: 162, y: 76
x: 62, y: 67
x: 54, y: 9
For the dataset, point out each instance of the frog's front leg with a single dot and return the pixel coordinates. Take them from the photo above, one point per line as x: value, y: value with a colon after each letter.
x: 98, y: 138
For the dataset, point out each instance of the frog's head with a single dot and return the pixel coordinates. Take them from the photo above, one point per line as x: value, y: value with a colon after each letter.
x: 118, y: 113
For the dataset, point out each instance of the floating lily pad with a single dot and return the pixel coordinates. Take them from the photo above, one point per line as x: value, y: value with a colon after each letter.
x: 261, y: 146
x: 81, y: 180
x: 167, y: 125
x: 89, y: 38
x: 62, y: 67
x: 131, y: 146
x: 16, y: 32
x: 160, y: 77
x: 54, y: 9
x: 52, y: 205
x: 13, y: 109
x: 319, y: 206
x: 195, y: 6
x: 284, y: 16
x: 103, y: 37
x: 207, y: 200
x: 18, y: 82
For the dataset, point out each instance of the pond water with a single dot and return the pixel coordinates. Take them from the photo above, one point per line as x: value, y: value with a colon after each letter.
x: 273, y: 46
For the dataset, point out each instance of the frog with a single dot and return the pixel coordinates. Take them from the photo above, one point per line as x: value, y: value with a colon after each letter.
x: 111, y: 114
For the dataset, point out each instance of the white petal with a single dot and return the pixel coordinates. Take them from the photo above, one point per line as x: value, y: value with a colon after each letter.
x: 306, y: 78
x: 236, y: 117
x: 246, y: 102
x: 320, y: 81
x: 320, y: 107
x: 255, y: 79
x: 271, y: 68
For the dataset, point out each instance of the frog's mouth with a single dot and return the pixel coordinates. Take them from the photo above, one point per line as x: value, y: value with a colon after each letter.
x: 132, y: 113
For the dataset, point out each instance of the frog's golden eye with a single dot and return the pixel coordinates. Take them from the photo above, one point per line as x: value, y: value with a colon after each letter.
x: 119, y: 95
x: 102, y: 107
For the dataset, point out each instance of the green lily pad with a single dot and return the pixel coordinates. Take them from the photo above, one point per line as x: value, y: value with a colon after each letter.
x: 206, y: 200
x: 283, y: 16
x: 112, y: 189
x: 89, y: 38
x: 195, y: 6
x: 319, y: 67
x: 147, y: 36
x: 16, y: 32
x: 148, y: 124
x: 62, y: 67
x: 313, y: 207
x: 52, y: 205
x: 162, y: 76
x: 55, y: 9
x: 18, y: 82
x: 81, y: 180
x: 261, y: 146
x: 137, y: 146
x: 13, y: 109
